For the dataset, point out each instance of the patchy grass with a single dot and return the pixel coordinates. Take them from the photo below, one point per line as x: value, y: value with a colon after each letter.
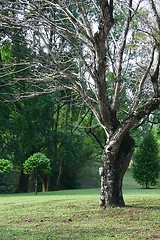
x: 75, y: 215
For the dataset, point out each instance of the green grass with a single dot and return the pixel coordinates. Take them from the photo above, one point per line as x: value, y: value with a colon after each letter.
x: 128, y: 181
x: 75, y: 215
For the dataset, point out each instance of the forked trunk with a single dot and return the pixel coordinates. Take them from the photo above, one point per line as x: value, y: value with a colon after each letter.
x: 112, y: 174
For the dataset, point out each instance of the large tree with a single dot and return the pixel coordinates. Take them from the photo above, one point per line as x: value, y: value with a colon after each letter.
x: 108, y: 53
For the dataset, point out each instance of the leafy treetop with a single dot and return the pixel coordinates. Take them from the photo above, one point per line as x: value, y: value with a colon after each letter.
x: 37, y: 163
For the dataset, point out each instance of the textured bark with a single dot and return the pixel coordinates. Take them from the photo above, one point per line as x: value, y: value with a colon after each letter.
x: 112, y: 174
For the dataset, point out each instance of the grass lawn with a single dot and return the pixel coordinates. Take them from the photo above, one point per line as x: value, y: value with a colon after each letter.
x: 75, y: 214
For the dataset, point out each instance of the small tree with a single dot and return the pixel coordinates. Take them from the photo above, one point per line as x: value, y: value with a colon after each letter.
x: 146, y: 167
x: 38, y: 164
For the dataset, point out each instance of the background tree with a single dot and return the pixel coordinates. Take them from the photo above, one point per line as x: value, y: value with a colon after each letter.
x: 38, y: 164
x: 108, y: 53
x: 6, y: 184
x: 146, y: 164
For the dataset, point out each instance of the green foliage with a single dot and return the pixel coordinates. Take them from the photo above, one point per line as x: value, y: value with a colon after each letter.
x: 146, y: 167
x: 73, y: 151
x: 6, y: 183
x: 6, y: 51
x: 41, y: 124
x: 5, y: 166
x: 38, y: 163
x: 156, y: 133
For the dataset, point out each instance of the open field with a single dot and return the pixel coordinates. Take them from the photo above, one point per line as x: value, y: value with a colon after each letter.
x: 75, y: 214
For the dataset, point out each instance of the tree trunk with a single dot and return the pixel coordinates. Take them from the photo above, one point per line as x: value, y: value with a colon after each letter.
x: 44, y: 182
x: 23, y: 183
x: 59, y: 178
x: 112, y: 174
x: 36, y: 186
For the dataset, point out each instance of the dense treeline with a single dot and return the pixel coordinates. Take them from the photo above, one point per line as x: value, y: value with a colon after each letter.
x: 57, y: 129
x: 48, y: 123
x: 44, y: 125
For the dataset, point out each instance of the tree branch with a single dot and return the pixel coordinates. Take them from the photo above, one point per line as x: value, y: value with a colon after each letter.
x: 120, y: 59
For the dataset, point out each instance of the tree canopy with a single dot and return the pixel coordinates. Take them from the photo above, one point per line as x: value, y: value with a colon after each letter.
x: 38, y: 163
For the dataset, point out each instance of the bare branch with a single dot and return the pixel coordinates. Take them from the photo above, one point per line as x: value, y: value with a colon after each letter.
x: 142, y: 81
x: 119, y: 61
